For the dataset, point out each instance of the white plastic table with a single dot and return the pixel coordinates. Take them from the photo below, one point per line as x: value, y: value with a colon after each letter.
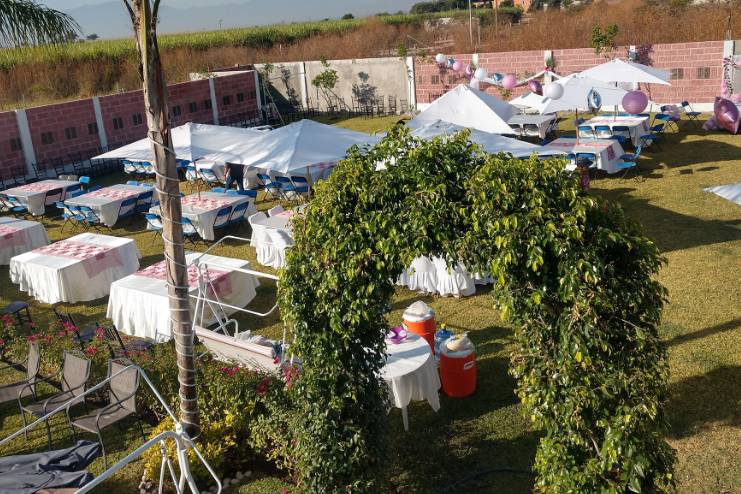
x: 638, y: 126
x: 106, y: 202
x: 542, y: 122
x: 607, y: 151
x: 138, y: 304
x: 411, y: 374
x: 78, y: 269
x: 33, y: 195
x: 19, y: 236
x: 201, y: 211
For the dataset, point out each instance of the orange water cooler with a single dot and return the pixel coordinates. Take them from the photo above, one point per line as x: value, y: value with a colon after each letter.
x: 457, y: 371
x: 420, y: 320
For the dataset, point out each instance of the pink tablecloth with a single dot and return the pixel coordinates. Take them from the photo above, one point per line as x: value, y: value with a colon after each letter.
x: 116, y: 194
x: 12, y: 237
x: 219, y: 281
x: 286, y: 214
x: 39, y: 187
x: 196, y: 203
x: 95, y: 258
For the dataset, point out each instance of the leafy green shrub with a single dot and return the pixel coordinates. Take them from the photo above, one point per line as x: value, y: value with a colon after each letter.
x: 572, y: 274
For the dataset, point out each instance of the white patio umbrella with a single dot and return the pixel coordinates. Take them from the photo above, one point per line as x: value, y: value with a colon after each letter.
x: 491, y: 143
x: 732, y: 192
x: 622, y: 71
x: 194, y: 141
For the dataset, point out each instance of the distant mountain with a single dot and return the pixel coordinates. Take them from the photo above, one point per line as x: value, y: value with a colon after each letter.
x: 110, y: 20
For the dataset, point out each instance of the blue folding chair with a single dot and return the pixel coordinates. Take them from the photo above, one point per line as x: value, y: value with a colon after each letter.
x: 693, y: 116
x: 154, y: 223
x: 16, y: 206
x: 621, y: 133
x: 269, y: 185
x: 144, y: 201
x: 590, y: 159
x: 84, y: 180
x: 65, y: 213
x: 585, y: 132
x: 238, y: 213
x: 602, y: 131
x: 76, y: 193
x: 208, y: 175
x: 132, y: 182
x: 222, y: 219
x: 129, y: 167
x: 653, y: 137
x: 629, y: 162
x: 189, y: 230
x: 218, y: 190
x: 301, y: 184
x: 127, y: 209
x: 667, y: 118
x: 89, y: 218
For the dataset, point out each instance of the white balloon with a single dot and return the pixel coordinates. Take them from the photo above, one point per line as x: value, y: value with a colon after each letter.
x: 474, y: 84
x: 480, y: 74
x: 553, y: 90
x: 440, y: 58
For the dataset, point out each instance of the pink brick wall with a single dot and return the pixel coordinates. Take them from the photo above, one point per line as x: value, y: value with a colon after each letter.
x: 60, y: 121
x: 12, y: 162
x: 689, y: 57
x: 123, y: 107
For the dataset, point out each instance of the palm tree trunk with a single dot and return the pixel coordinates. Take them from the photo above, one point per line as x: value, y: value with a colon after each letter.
x: 144, y: 18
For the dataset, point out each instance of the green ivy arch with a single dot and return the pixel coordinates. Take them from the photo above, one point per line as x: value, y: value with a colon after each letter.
x: 575, y: 279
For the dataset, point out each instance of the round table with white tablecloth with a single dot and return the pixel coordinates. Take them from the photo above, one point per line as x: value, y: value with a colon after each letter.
x: 411, y: 374
x: 18, y: 236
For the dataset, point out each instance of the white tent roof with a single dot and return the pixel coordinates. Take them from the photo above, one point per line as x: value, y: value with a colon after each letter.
x: 575, y: 93
x: 301, y: 145
x: 732, y: 192
x: 469, y: 108
x: 491, y: 143
x: 617, y: 70
x: 194, y: 141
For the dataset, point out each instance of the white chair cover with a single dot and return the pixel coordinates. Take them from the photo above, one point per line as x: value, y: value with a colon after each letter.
x: 275, y: 210
x: 421, y: 276
x: 456, y: 282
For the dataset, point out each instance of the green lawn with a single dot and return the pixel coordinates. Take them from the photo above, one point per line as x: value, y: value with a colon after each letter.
x: 484, y: 437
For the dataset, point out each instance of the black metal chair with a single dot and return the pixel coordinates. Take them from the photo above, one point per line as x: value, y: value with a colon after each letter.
x: 74, y: 375
x: 123, y: 386
x: 20, y: 311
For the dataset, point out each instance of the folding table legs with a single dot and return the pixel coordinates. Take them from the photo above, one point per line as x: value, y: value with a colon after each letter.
x: 405, y: 418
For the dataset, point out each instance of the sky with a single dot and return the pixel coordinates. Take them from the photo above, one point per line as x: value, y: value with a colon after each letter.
x: 108, y: 18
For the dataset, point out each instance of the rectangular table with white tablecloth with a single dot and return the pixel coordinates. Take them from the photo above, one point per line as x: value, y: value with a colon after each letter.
x: 607, y: 151
x: 106, y: 202
x: 18, y: 236
x: 201, y: 209
x: 523, y: 121
x: 78, y: 269
x: 270, y: 237
x: 637, y: 126
x: 138, y: 304
x: 33, y: 195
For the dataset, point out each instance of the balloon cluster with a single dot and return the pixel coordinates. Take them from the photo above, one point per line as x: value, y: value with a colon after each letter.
x: 508, y: 81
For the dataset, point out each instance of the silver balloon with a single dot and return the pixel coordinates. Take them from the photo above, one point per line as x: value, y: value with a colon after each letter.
x: 553, y: 90
x: 440, y: 58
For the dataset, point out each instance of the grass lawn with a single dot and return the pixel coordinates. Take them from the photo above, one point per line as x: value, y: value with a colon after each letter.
x: 484, y: 437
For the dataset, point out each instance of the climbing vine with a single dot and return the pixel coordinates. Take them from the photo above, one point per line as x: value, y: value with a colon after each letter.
x: 571, y: 273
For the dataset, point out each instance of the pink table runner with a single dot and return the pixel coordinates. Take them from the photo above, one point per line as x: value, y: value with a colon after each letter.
x: 618, y: 121
x: 220, y: 281
x: 206, y: 203
x: 12, y: 237
x: 115, y: 194
x: 40, y: 187
x: 95, y: 258
x: 286, y: 214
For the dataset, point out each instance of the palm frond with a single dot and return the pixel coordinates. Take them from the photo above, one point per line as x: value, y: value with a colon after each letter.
x: 27, y: 22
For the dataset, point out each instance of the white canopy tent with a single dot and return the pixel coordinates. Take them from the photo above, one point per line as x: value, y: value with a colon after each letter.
x: 194, y: 141
x: 469, y: 108
x: 576, y: 91
x: 301, y: 147
x: 491, y: 143
x: 731, y: 192
x: 622, y: 71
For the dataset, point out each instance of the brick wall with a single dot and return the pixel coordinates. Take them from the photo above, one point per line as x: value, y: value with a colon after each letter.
x: 12, y: 162
x: 700, y: 65
x: 59, y: 131
x: 62, y: 130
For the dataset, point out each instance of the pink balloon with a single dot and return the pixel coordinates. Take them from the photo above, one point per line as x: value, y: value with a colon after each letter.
x: 457, y: 66
x: 535, y: 87
x: 736, y: 97
x: 727, y: 115
x: 509, y: 81
x: 635, y: 102
x: 469, y: 71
